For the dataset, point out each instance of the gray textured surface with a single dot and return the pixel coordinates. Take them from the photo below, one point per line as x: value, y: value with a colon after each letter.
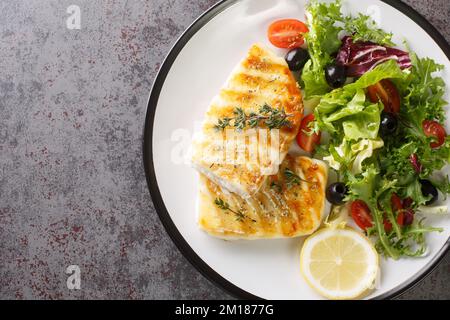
x: 72, y: 187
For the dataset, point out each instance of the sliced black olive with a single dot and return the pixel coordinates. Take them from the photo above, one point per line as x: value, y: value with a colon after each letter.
x: 296, y: 58
x: 336, y: 193
x: 388, y: 124
x: 336, y: 75
x: 429, y: 190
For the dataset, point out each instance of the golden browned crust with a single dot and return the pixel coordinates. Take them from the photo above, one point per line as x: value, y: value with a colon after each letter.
x: 261, y: 78
x: 278, y: 210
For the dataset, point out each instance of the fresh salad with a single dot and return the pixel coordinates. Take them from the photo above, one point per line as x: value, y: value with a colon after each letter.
x: 378, y: 121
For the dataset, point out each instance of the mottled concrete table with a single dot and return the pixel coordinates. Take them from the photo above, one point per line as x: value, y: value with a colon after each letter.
x: 72, y: 186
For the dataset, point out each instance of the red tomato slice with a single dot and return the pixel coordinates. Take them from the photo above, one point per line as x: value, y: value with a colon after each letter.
x: 305, y: 141
x: 361, y: 214
x: 434, y: 129
x: 385, y: 91
x: 287, y: 33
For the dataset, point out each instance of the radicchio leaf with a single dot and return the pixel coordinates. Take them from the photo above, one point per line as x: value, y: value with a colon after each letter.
x: 362, y: 56
x: 415, y: 163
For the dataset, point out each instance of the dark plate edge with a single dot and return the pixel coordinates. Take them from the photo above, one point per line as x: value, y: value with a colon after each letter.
x: 158, y: 202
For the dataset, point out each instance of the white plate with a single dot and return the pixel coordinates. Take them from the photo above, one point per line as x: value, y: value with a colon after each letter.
x: 192, y: 74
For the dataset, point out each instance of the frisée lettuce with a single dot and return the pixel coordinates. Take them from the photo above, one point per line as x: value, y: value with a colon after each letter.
x: 375, y: 167
x: 326, y: 22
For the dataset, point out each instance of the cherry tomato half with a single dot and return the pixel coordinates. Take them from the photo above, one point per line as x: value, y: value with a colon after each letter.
x: 305, y: 141
x: 385, y: 91
x: 434, y: 129
x: 287, y: 33
x: 361, y: 214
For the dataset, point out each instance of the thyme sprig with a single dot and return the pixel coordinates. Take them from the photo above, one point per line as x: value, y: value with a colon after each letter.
x: 271, y: 117
x: 240, y: 216
x: 275, y: 186
x: 293, y: 179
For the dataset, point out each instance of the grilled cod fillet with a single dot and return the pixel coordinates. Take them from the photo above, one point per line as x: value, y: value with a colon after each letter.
x: 278, y: 210
x: 260, y: 79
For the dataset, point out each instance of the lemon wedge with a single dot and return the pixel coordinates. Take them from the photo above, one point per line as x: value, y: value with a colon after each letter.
x: 339, y: 263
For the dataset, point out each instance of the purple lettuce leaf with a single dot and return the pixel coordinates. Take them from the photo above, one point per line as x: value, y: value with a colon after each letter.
x: 362, y: 56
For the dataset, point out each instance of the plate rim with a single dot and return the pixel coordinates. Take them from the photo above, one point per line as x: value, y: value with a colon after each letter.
x: 152, y: 184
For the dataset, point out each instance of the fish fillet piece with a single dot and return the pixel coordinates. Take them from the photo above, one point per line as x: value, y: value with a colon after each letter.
x: 262, y: 78
x: 278, y: 210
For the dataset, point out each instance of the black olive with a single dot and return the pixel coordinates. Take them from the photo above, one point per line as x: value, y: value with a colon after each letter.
x: 336, y: 75
x: 336, y: 193
x: 429, y: 190
x: 296, y: 58
x: 388, y: 124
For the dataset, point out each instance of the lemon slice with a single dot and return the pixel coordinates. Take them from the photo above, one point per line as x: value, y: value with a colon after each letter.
x: 339, y: 263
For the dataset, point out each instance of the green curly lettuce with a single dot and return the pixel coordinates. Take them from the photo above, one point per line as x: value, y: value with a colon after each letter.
x: 326, y: 22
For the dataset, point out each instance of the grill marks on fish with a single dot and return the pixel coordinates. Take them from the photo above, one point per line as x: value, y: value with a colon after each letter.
x: 294, y: 211
x: 261, y: 78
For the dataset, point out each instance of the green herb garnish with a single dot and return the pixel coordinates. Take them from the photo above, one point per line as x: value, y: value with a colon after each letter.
x: 275, y: 186
x: 240, y: 216
x: 271, y: 117
x: 293, y: 179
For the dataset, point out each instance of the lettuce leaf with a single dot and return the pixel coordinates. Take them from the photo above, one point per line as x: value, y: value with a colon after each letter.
x: 354, y: 115
x: 363, y: 125
x: 423, y: 95
x: 322, y: 40
x: 341, y: 96
x: 350, y: 155
x: 364, y: 150
x: 422, y: 99
x: 372, y: 168
x: 325, y: 22
x: 363, y: 186
x: 363, y: 28
x: 359, y: 120
x: 386, y: 70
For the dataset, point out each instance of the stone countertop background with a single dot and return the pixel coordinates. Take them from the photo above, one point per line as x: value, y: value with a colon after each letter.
x: 72, y: 184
